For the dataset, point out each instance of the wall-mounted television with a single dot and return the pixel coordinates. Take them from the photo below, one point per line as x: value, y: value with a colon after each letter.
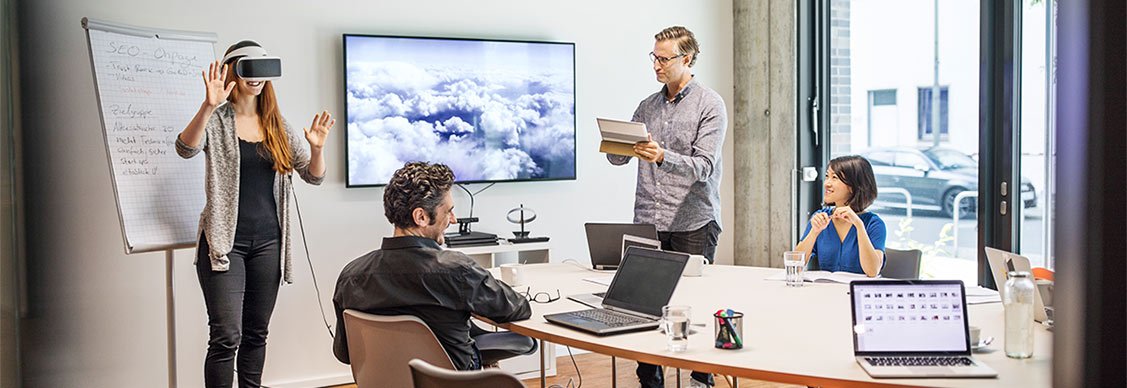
x: 492, y: 110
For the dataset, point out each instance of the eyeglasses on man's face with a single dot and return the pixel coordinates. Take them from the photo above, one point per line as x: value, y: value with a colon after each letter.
x: 663, y: 60
x: 541, y: 297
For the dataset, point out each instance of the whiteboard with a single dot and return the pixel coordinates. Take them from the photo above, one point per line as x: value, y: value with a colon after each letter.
x: 149, y: 87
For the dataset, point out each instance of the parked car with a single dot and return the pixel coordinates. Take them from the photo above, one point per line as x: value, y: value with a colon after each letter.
x: 934, y: 177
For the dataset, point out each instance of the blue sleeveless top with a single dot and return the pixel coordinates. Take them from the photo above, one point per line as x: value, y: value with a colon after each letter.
x: 835, y: 254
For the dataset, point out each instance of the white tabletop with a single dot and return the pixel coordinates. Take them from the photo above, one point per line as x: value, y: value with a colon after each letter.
x: 791, y: 335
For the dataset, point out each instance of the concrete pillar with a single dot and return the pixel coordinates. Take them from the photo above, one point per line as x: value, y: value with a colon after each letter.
x: 764, y: 129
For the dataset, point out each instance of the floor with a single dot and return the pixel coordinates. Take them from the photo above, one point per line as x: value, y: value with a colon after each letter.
x: 596, y: 374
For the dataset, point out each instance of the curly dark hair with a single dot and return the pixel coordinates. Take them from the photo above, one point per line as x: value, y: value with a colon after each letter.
x: 416, y: 185
x: 857, y: 173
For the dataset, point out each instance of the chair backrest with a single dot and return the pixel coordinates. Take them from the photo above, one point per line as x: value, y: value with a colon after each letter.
x: 430, y: 376
x: 900, y: 264
x: 379, y: 348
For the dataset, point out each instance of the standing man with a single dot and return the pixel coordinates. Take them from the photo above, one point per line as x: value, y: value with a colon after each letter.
x: 679, y: 167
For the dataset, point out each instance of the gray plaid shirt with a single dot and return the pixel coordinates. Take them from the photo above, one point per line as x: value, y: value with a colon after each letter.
x: 683, y: 192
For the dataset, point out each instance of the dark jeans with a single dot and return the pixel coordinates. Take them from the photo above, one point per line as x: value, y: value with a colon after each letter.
x: 239, y: 304
x: 697, y: 242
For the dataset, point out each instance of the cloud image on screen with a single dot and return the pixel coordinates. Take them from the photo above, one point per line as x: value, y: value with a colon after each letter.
x: 491, y: 110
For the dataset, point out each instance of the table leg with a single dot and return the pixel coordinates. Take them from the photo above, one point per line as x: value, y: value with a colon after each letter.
x: 543, y: 377
x: 678, y: 377
x: 613, y: 372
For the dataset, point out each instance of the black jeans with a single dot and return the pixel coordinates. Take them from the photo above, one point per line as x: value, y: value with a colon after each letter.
x: 239, y: 304
x: 697, y: 242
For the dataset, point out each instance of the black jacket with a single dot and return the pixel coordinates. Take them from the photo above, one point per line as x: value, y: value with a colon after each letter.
x: 414, y: 276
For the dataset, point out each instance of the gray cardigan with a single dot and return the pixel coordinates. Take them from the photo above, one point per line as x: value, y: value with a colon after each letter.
x: 221, y: 212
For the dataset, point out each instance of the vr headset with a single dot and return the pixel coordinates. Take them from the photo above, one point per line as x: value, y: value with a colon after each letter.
x: 253, y: 64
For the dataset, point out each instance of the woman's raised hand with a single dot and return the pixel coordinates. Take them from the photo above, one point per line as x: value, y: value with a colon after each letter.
x: 819, y: 222
x: 319, y: 130
x: 215, y: 82
x: 846, y: 213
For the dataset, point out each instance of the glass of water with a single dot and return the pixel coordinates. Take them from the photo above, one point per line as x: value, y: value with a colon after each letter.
x: 675, y: 321
x: 795, y: 264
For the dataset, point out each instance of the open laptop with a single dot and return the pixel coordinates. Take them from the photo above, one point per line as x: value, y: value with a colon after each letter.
x: 596, y: 299
x: 641, y: 287
x: 1001, y: 263
x: 913, y: 328
x: 605, y: 241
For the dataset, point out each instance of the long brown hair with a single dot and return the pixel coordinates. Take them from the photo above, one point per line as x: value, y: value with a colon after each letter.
x: 275, y: 140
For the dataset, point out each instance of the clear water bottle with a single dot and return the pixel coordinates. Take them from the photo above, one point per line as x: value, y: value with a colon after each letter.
x: 1018, y: 301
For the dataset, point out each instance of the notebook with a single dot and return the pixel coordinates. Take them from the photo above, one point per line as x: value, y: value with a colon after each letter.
x: 606, y: 244
x: 641, y: 287
x: 913, y: 329
x: 1001, y: 263
x: 619, y: 137
x: 823, y: 276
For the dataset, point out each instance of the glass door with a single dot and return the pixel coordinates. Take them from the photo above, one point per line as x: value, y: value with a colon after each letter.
x: 1038, y: 157
x: 897, y: 82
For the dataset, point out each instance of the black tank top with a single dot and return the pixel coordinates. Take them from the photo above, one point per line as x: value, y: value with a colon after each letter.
x: 258, y: 212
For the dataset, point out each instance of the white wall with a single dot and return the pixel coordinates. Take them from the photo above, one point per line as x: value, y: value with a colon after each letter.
x: 98, y: 314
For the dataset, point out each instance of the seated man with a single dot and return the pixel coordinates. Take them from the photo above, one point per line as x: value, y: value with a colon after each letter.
x: 412, y: 275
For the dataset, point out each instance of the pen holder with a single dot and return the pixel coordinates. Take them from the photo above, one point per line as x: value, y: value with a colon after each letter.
x: 729, y: 329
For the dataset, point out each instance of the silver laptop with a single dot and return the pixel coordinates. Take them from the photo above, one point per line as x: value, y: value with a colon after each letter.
x: 605, y: 241
x: 1001, y: 263
x: 596, y: 299
x: 641, y: 287
x: 913, y: 329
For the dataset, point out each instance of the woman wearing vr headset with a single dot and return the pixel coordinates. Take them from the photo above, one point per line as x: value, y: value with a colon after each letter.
x: 244, y: 249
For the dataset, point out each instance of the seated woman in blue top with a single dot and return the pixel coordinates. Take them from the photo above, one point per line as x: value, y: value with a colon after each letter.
x: 855, y: 242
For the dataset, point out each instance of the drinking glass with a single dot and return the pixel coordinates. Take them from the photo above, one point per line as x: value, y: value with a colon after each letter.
x: 795, y: 264
x: 675, y: 321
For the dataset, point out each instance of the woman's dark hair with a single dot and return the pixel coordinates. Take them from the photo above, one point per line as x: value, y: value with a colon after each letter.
x: 416, y: 185
x: 857, y: 173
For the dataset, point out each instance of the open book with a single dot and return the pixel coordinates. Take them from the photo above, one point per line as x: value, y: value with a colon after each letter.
x: 618, y: 137
x: 824, y: 276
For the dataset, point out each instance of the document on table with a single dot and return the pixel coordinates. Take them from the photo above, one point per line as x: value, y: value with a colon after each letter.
x: 603, y: 280
x: 823, y: 276
x: 982, y: 295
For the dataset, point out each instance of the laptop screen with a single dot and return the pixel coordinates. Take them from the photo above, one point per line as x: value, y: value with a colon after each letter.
x: 645, y: 281
x: 909, y: 317
x: 604, y: 241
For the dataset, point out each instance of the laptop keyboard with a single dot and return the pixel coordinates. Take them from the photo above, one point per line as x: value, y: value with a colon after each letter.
x: 609, y: 318
x: 919, y: 361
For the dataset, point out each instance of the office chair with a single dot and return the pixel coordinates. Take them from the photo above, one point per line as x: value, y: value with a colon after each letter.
x: 426, y: 375
x: 379, y: 347
x: 900, y: 264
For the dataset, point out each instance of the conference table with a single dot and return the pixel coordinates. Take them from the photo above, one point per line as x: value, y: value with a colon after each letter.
x: 793, y: 335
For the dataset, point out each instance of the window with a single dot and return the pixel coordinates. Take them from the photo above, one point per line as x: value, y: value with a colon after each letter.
x: 870, y: 56
x: 925, y: 120
x: 1037, y: 159
x: 884, y: 97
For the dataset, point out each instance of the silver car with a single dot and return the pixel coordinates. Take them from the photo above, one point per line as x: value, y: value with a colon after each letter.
x: 934, y: 177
